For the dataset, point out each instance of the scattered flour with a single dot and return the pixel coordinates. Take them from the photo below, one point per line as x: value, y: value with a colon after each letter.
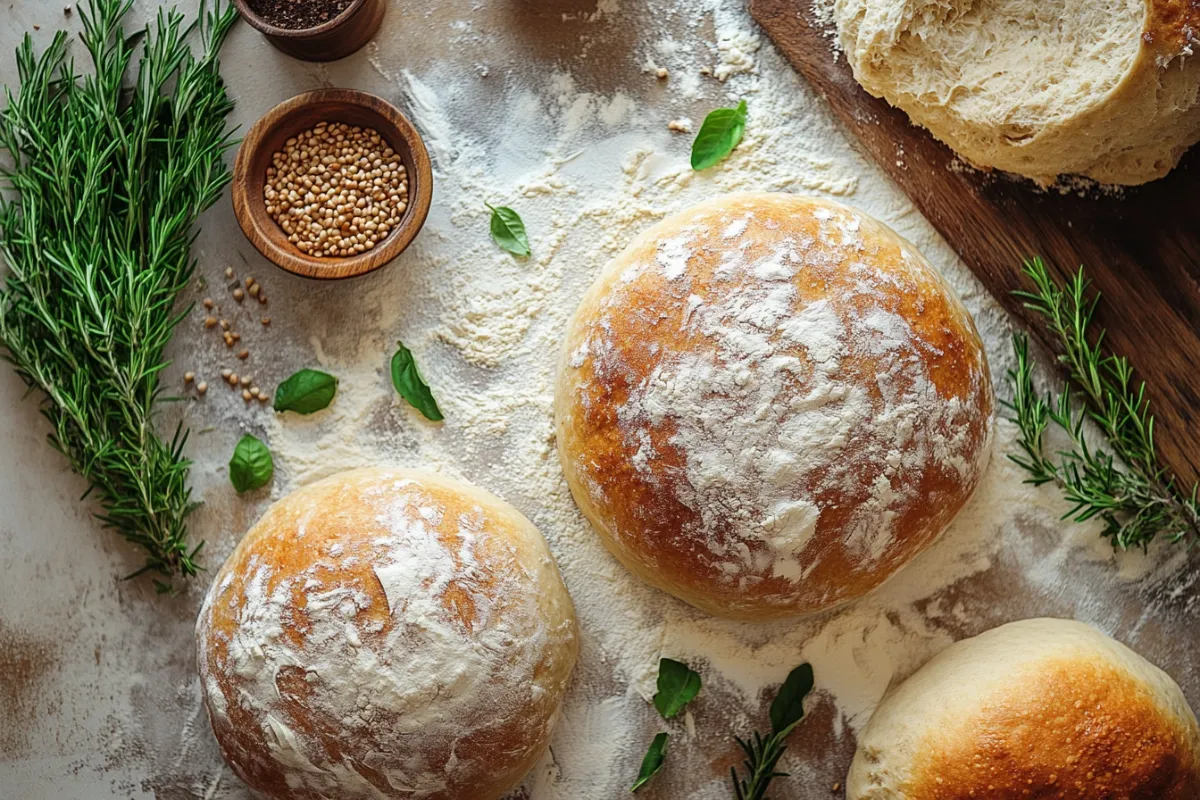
x: 583, y: 153
x: 594, y: 169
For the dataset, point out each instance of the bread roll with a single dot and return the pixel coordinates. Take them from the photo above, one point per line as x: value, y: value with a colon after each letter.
x: 1044, y: 708
x: 1109, y: 89
x: 386, y: 633
x: 768, y: 404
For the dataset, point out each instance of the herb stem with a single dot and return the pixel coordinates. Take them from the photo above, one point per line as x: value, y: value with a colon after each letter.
x: 1128, y: 489
x: 104, y: 188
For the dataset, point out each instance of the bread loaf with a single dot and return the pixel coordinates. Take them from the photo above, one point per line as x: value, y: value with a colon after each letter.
x: 1109, y: 89
x: 1038, y: 709
x: 386, y: 634
x: 768, y: 404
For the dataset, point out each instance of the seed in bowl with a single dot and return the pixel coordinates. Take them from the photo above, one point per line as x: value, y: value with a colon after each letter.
x: 336, y: 190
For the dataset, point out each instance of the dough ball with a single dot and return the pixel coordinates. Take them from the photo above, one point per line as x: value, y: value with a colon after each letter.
x: 1043, y: 708
x: 1109, y: 89
x: 386, y: 633
x: 768, y: 404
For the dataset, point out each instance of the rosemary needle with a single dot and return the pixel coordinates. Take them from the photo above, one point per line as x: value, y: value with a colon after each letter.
x: 1124, y: 485
x: 106, y: 181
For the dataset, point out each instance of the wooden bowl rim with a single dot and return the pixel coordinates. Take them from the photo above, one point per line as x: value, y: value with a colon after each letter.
x: 247, y: 189
x: 267, y: 28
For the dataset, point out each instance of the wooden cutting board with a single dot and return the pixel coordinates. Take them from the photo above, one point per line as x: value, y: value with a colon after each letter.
x: 1141, y: 248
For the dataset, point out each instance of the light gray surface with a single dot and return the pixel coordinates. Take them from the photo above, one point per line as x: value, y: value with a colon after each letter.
x: 97, y: 696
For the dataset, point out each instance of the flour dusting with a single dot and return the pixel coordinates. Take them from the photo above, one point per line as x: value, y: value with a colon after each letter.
x: 566, y: 121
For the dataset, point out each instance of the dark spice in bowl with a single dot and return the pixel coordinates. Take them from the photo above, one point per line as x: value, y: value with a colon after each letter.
x: 298, y: 14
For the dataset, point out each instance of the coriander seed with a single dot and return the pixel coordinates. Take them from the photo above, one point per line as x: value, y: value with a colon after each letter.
x: 210, y: 322
x: 201, y: 388
x: 246, y: 395
x: 336, y: 190
x: 238, y: 295
x: 188, y: 377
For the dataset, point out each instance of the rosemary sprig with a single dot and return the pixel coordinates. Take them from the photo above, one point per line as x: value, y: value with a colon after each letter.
x: 106, y: 182
x: 763, y: 752
x: 1127, y: 488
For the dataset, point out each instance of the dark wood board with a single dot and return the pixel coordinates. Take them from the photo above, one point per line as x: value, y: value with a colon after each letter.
x: 1141, y: 248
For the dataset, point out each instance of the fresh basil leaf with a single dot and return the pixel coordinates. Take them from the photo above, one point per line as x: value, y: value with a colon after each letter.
x: 653, y: 761
x: 251, y: 466
x: 788, y: 706
x: 677, y: 686
x: 411, y: 386
x: 508, y: 230
x: 306, y: 392
x: 719, y: 134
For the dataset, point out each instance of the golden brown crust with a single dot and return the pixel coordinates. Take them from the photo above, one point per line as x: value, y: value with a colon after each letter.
x: 1069, y: 729
x: 639, y: 317
x: 332, y: 537
x: 1173, y: 29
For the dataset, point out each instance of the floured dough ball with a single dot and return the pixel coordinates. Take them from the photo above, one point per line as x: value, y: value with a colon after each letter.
x: 386, y: 634
x: 768, y: 404
x: 1043, y: 708
x: 1109, y: 89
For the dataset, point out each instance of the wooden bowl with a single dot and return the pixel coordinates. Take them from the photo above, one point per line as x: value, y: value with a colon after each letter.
x: 329, y: 41
x: 292, y: 117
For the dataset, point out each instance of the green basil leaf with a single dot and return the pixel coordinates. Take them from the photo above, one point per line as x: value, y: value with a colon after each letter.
x: 788, y: 706
x: 251, y: 466
x: 508, y: 230
x: 719, y: 134
x: 677, y: 686
x: 306, y: 392
x: 653, y: 761
x: 411, y: 386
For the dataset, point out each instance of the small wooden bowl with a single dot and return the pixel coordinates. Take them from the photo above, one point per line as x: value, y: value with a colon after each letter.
x: 292, y: 117
x: 329, y: 41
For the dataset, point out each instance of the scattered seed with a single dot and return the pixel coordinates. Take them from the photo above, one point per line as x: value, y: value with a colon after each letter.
x: 254, y: 289
x: 262, y: 298
x: 225, y: 373
x: 232, y: 378
x: 661, y: 73
x: 224, y: 324
x: 237, y: 337
x: 238, y: 294
x: 245, y: 380
x: 266, y: 321
x: 210, y: 322
x: 246, y: 395
x: 188, y: 377
x: 208, y: 303
x: 250, y: 282
x: 254, y: 391
x: 229, y: 272
x: 201, y: 387
x: 244, y: 355
x: 264, y: 398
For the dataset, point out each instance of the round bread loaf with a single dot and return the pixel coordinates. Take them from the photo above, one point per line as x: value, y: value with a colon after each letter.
x: 386, y: 633
x: 1043, y: 708
x: 768, y: 404
x: 1109, y: 89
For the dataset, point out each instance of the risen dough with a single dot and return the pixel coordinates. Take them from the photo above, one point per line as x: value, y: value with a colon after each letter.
x: 386, y: 634
x: 1104, y: 88
x: 1038, y: 709
x: 768, y: 404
